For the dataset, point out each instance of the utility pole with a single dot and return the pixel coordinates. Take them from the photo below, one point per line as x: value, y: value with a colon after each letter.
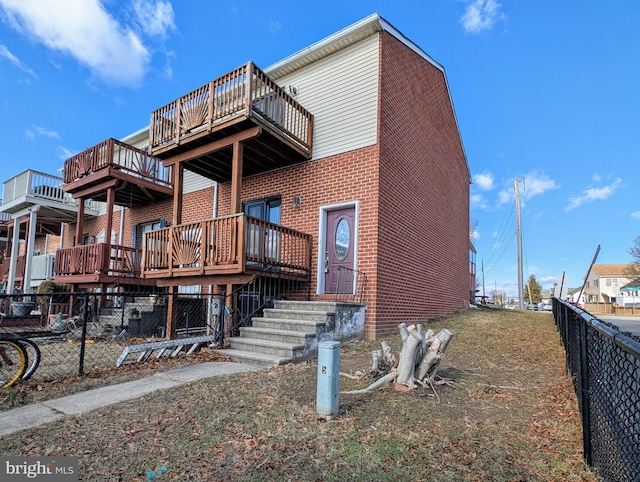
x: 519, y: 240
x: 483, y: 298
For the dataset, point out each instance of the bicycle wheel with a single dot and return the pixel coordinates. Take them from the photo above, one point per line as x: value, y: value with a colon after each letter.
x: 13, y: 362
x: 33, y: 357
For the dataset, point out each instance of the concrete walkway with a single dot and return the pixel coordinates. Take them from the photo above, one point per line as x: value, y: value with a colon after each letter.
x: 47, y: 411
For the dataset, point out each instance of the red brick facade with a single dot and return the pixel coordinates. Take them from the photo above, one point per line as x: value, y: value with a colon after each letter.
x: 411, y: 189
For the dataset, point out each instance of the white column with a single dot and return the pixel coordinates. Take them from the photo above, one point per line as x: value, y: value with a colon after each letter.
x: 13, y: 260
x: 31, y: 239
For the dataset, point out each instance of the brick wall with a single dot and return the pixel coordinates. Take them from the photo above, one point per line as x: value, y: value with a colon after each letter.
x: 423, y: 231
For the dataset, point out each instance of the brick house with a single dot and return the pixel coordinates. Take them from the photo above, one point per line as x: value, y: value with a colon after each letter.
x: 340, y: 167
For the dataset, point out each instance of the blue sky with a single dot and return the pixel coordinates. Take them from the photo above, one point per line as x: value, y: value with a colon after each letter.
x: 545, y: 92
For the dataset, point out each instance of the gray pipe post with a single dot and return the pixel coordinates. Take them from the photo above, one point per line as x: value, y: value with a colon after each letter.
x: 328, y: 379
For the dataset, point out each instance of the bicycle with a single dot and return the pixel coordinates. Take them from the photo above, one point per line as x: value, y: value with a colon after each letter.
x: 13, y: 361
x: 31, y: 358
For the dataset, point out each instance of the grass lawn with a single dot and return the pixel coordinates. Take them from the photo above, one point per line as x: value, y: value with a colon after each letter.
x: 511, y: 415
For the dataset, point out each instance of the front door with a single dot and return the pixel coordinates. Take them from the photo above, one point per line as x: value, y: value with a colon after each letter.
x: 339, y: 255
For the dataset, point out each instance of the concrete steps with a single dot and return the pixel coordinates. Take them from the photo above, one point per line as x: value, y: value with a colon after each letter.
x: 288, y: 332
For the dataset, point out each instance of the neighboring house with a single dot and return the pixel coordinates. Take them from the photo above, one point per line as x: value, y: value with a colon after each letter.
x: 629, y: 294
x: 572, y: 296
x: 340, y: 168
x: 34, y: 208
x: 604, y: 282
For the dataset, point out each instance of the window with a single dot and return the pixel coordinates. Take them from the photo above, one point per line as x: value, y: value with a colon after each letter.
x: 140, y: 229
x: 266, y: 209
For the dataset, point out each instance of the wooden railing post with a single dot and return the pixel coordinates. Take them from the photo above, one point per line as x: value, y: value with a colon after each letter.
x: 248, y: 83
x: 178, y: 121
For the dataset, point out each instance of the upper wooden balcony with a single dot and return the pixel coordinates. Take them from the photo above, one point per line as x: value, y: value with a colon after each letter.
x: 32, y: 188
x: 233, y: 103
x: 137, y: 177
x: 230, y: 245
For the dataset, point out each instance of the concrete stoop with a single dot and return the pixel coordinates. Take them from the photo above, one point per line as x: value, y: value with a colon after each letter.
x: 291, y: 330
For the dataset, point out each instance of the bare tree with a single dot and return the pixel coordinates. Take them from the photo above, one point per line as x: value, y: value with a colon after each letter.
x: 634, y: 251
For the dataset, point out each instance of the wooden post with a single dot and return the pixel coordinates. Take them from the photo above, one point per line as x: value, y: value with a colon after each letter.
x: 178, y: 177
x: 79, y: 222
x: 171, y: 313
x: 236, y: 178
x: 109, y: 226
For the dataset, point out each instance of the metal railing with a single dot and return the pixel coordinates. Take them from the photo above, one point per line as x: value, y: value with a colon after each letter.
x: 245, y: 91
x: 605, y: 367
x: 350, y: 285
x: 120, y: 156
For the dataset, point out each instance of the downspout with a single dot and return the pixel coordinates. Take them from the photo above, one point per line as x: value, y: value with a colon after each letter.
x: 121, y: 232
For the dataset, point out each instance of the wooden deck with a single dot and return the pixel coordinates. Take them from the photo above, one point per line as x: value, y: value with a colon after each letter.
x: 98, y: 263
x: 231, y: 245
x: 137, y: 177
x: 197, y: 126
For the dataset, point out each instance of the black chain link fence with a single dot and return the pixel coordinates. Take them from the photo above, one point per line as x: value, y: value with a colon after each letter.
x: 85, y: 332
x: 605, y: 367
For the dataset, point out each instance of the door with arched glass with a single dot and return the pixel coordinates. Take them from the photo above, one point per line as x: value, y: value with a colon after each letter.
x: 340, y: 251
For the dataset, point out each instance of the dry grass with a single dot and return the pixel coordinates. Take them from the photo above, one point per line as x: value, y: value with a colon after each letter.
x: 510, y: 416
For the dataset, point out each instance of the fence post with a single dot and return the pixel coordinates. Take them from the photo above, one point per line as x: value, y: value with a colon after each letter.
x: 83, y: 338
x: 585, y: 398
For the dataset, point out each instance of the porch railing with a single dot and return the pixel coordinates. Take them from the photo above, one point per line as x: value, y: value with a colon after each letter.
x: 39, y: 185
x: 230, y: 244
x: 99, y: 258
x: 20, y: 264
x: 245, y: 91
x: 120, y: 156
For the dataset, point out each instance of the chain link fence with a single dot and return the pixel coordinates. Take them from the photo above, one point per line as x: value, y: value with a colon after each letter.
x: 82, y: 333
x: 605, y: 367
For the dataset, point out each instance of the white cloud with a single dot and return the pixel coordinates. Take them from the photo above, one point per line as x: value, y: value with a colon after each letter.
x: 478, y: 202
x: 155, y: 18
x: 484, y: 181
x: 86, y: 31
x: 275, y: 26
x: 64, y: 153
x: 596, y: 178
x: 635, y: 215
x: 594, y: 194
x: 505, y: 196
x: 6, y: 53
x: 481, y: 15
x: 41, y: 131
x: 536, y: 183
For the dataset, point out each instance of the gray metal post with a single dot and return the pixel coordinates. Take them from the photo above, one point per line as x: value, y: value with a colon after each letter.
x: 328, y: 379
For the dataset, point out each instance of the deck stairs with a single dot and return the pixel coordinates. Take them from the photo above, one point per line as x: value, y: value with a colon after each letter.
x: 288, y: 332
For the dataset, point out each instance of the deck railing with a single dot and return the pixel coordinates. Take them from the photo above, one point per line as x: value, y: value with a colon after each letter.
x: 20, y: 265
x: 231, y: 244
x: 121, y: 156
x: 245, y: 91
x: 4, y: 218
x: 99, y: 258
x: 39, y: 185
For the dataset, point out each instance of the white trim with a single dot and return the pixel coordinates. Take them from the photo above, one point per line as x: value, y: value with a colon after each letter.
x: 322, y: 240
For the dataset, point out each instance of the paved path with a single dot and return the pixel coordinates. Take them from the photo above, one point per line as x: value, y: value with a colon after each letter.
x: 82, y: 402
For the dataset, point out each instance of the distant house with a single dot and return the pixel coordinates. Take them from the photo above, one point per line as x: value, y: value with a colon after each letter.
x: 340, y: 167
x: 604, y: 282
x: 630, y: 294
x: 572, y: 296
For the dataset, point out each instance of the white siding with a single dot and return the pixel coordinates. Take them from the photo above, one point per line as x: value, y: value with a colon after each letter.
x: 341, y: 91
x: 193, y: 182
